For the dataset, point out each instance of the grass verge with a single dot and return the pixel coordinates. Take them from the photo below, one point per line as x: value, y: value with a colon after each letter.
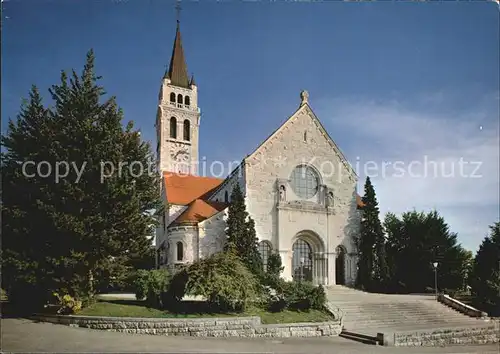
x: 127, y: 308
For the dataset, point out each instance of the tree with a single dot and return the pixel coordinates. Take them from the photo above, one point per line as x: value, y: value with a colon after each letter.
x: 274, y: 265
x: 373, y: 272
x: 272, y: 276
x: 417, y: 240
x: 82, y: 222
x: 485, y: 280
x: 241, y: 236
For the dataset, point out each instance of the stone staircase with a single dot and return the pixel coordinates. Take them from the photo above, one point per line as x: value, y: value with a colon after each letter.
x: 368, y: 313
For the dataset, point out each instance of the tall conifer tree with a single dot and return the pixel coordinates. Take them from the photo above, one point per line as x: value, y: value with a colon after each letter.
x: 373, y: 271
x: 241, y: 236
x: 71, y: 234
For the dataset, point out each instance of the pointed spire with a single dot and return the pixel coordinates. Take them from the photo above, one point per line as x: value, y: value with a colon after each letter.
x: 192, y: 82
x: 177, y: 71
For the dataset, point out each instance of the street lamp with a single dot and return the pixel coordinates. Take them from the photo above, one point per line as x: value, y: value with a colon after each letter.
x: 302, y: 269
x: 435, y: 264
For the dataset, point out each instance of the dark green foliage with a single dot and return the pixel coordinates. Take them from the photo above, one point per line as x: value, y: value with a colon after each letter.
x: 373, y: 271
x: 298, y: 296
x: 414, y: 242
x: 75, y: 234
x: 221, y: 278
x: 274, y: 268
x: 151, y: 284
x: 241, y: 237
x: 485, y: 279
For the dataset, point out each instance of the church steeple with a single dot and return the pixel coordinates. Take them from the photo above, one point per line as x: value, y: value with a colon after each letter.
x: 177, y: 71
x: 178, y: 121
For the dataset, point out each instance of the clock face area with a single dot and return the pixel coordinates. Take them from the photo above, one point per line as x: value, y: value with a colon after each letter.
x: 179, y: 152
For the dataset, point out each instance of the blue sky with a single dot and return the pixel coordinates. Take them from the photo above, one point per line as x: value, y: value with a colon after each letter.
x: 391, y: 81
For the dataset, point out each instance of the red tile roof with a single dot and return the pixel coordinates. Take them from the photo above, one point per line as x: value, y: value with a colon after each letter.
x: 182, y: 189
x: 198, y: 211
x: 359, y: 201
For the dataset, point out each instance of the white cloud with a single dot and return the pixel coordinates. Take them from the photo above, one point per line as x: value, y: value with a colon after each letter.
x: 462, y: 181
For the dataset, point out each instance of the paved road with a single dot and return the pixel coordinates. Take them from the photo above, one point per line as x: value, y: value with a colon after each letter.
x: 20, y: 335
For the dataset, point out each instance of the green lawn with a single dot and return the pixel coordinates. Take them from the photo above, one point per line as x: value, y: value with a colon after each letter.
x: 124, y: 308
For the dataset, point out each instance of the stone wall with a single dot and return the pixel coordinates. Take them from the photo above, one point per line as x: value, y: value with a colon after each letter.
x: 212, y: 235
x: 205, y: 327
x: 487, y: 334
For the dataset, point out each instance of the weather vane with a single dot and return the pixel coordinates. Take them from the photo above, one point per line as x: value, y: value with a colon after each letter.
x: 178, y: 9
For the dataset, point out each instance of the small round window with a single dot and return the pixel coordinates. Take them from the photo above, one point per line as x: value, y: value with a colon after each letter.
x: 305, y: 181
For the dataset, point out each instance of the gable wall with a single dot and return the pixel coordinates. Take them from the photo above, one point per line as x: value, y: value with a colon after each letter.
x: 277, y: 158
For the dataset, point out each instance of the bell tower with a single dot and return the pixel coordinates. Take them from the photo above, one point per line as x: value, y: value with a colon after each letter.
x: 178, y: 117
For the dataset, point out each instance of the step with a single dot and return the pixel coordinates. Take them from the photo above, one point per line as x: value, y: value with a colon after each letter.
x: 359, y: 337
x: 405, y: 314
x: 373, y: 327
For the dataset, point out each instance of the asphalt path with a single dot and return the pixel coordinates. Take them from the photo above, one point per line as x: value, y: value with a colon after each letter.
x: 23, y: 335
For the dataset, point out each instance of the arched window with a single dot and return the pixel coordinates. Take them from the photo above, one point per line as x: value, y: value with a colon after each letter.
x: 305, y: 136
x: 173, y: 128
x: 226, y: 197
x: 301, y: 261
x: 305, y: 181
x: 187, y: 100
x: 187, y: 130
x: 180, y: 251
x: 264, y: 250
x: 179, y: 98
x: 172, y: 97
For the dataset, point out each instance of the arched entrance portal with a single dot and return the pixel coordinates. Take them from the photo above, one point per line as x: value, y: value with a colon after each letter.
x: 308, y: 258
x: 340, y: 265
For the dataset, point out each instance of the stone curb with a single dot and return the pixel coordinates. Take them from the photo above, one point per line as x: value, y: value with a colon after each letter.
x: 198, y: 327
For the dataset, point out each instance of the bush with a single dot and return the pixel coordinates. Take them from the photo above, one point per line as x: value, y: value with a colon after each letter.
x: 151, y: 284
x: 68, y: 304
x: 297, y: 296
x: 221, y: 278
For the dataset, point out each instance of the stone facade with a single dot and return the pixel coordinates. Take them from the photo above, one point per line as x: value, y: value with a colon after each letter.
x: 223, y: 192
x: 311, y: 222
x: 212, y: 235
x: 328, y: 221
x: 282, y: 217
x: 204, y: 327
x: 168, y: 147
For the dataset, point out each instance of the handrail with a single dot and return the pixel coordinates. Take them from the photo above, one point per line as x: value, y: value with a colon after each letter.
x: 337, y: 312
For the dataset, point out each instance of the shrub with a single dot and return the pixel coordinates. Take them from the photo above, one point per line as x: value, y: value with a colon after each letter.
x: 299, y: 296
x: 221, y: 278
x: 274, y: 268
x: 151, y: 284
x: 68, y: 304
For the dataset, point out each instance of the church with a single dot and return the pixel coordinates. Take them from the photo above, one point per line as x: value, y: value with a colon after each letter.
x: 298, y: 187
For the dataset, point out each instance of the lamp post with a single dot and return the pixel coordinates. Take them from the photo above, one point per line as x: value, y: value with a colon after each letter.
x: 435, y: 264
x: 302, y: 269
